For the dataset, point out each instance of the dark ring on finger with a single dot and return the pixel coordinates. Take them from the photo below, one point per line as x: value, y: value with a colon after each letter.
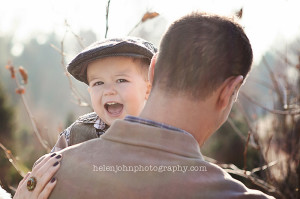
x: 31, y: 183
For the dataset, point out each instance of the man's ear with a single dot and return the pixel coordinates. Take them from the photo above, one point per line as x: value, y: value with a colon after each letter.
x: 229, y: 89
x: 151, y: 68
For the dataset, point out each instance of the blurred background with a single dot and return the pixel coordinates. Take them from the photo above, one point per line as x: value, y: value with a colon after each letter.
x: 259, y: 144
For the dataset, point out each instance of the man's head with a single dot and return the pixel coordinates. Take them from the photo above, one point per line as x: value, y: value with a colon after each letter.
x: 202, y: 62
x: 116, y: 72
x: 199, y: 52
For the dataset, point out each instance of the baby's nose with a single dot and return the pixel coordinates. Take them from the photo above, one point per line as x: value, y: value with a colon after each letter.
x: 109, y: 90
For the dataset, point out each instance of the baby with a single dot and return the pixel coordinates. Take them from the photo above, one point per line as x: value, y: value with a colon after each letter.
x: 116, y: 71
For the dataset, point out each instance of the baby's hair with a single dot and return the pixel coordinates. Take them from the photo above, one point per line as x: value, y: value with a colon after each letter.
x: 144, y: 64
x: 199, y: 52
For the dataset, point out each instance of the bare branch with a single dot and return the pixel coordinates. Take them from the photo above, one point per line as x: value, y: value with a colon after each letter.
x: 107, y: 12
x: 268, y: 146
x: 264, y: 167
x: 32, y: 120
x: 245, y: 152
x: 245, y: 115
x: 75, y: 92
x: 136, y: 25
x: 79, y: 39
x: 261, y: 183
x: 231, y: 168
x: 239, y: 13
x: 57, y: 49
x: 239, y: 133
x: 261, y: 82
x: 146, y: 16
x: 13, y: 188
x: 275, y: 83
x: 12, y: 159
x: 254, y: 141
x: 288, y: 112
x: 284, y: 57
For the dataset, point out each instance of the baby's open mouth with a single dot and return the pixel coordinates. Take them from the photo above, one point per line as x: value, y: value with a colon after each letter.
x: 113, y: 108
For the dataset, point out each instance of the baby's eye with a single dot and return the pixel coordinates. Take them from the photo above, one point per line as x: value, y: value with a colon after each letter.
x: 98, y: 83
x: 121, y: 80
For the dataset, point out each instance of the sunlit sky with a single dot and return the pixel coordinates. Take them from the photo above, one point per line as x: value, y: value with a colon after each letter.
x: 265, y: 21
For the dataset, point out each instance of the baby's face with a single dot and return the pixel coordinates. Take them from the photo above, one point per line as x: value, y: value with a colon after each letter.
x: 117, y: 88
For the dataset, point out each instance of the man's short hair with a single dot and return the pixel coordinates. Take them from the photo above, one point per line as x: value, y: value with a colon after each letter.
x: 199, y: 52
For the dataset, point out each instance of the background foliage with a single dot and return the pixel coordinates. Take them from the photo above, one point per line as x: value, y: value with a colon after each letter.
x: 259, y: 145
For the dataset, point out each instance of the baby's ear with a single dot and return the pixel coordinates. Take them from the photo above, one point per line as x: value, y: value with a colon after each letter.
x: 151, y: 68
x: 149, y: 86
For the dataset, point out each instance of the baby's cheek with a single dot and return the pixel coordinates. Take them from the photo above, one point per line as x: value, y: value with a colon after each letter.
x: 92, y: 95
x: 131, y: 109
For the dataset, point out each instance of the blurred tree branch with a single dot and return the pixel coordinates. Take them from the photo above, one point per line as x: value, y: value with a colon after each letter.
x: 81, y: 100
x: 240, y: 134
x: 231, y: 168
x: 146, y: 16
x: 107, y: 12
x: 288, y: 112
x: 21, y: 90
x: 12, y: 160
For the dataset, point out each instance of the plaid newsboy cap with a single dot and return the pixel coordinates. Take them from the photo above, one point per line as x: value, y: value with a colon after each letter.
x: 128, y: 46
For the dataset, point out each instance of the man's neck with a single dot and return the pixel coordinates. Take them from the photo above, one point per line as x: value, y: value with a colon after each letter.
x: 180, y: 112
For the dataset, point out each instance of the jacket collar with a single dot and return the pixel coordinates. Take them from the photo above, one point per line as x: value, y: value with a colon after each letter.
x: 153, y: 137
